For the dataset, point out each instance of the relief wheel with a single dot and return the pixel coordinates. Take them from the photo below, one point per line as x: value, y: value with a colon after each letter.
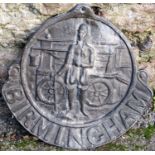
x: 98, y: 93
x: 48, y: 89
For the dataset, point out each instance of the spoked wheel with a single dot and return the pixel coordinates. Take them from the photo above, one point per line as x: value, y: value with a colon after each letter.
x: 48, y: 90
x: 97, y: 94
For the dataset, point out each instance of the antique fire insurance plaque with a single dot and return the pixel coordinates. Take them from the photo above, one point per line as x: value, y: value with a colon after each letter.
x: 77, y: 85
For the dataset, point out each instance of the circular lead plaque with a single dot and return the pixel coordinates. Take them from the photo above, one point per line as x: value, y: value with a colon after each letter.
x: 77, y: 84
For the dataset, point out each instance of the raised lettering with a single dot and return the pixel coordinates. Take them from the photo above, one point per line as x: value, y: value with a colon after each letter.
x: 97, y: 135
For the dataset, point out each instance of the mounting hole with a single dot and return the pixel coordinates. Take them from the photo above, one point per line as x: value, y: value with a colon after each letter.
x: 83, y: 9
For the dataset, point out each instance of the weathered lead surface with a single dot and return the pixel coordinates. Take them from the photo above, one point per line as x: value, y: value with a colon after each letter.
x: 77, y: 85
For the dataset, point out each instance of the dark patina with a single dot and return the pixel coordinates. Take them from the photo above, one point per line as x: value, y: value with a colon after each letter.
x: 77, y: 85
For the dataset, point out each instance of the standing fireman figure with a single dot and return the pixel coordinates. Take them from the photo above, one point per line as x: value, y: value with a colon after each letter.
x: 79, y: 60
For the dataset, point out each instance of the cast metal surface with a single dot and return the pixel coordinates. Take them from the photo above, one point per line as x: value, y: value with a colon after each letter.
x: 77, y: 85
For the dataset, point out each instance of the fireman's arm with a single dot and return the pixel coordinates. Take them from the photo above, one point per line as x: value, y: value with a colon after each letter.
x: 70, y: 56
x: 68, y: 61
x: 92, y: 57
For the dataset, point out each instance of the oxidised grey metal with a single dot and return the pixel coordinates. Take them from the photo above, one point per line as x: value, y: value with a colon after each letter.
x: 77, y: 85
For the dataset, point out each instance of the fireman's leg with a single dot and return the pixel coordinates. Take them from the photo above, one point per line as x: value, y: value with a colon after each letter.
x: 82, y: 99
x: 82, y: 92
x: 72, y: 93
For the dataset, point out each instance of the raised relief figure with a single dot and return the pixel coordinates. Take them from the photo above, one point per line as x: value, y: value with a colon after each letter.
x: 77, y: 85
x: 80, y: 58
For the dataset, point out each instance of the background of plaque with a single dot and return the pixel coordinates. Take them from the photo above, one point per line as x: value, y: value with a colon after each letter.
x: 17, y: 24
